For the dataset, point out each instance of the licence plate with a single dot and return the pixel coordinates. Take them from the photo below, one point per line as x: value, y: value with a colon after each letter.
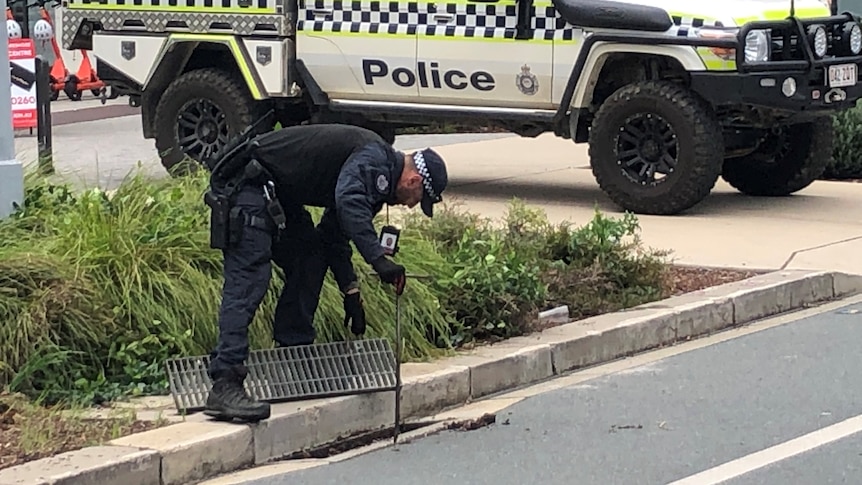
x: 842, y: 75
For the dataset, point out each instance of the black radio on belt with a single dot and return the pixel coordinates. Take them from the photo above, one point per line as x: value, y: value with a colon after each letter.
x: 389, y: 239
x: 21, y: 77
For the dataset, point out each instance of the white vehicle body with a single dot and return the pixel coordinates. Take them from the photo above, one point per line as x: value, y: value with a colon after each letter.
x: 530, y: 66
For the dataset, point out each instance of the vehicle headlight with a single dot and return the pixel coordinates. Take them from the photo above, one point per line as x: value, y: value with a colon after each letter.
x: 818, y: 40
x: 756, y: 46
x: 853, y: 37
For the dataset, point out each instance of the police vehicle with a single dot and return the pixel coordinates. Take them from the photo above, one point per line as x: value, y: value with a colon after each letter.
x: 669, y: 94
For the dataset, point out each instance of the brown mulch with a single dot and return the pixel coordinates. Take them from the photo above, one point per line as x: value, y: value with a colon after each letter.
x: 679, y: 280
x: 684, y: 279
x: 29, y: 432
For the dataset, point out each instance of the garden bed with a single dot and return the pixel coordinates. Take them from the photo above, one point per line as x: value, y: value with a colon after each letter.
x: 29, y: 432
x: 97, y: 291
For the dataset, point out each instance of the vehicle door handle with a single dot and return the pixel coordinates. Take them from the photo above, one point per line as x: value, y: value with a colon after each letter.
x: 322, y: 11
x: 443, y: 17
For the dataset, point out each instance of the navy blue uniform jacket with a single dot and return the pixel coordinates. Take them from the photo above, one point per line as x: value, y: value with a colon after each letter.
x: 351, y: 171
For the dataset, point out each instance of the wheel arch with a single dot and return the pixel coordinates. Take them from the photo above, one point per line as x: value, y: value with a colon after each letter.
x: 684, y: 57
x: 600, y: 78
x: 186, y: 52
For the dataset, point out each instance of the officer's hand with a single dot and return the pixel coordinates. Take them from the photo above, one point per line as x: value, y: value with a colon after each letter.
x: 391, y: 272
x: 353, y: 311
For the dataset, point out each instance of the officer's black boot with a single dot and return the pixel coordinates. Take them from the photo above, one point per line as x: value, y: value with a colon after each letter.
x: 228, y: 400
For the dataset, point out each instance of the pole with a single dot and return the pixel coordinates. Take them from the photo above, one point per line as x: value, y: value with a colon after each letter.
x: 397, y: 427
x: 11, y: 170
x: 43, y: 108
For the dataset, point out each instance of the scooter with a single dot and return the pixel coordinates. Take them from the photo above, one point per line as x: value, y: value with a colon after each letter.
x: 61, y: 79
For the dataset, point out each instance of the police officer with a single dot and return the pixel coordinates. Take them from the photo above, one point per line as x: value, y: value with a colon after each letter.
x: 351, y: 172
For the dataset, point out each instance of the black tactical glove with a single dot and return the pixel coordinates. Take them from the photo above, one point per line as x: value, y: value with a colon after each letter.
x: 390, y: 272
x: 353, y: 311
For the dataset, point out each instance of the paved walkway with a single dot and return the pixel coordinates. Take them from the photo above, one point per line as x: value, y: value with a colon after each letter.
x: 727, y: 229
x: 818, y: 228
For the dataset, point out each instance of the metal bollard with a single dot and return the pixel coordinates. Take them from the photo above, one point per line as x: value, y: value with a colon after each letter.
x: 43, y: 111
x: 11, y: 170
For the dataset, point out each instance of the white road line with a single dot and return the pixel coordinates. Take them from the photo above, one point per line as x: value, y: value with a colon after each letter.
x: 748, y: 463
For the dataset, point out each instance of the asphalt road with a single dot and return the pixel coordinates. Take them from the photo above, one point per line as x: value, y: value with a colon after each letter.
x: 716, y: 406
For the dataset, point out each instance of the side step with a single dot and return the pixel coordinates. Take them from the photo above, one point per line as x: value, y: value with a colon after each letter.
x: 294, y: 373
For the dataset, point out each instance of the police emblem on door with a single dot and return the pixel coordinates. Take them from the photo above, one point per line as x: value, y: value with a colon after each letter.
x: 264, y: 54
x: 127, y: 49
x: 526, y: 81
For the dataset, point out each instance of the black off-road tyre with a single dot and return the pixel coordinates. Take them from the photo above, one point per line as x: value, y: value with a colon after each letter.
x: 222, y: 106
x: 684, y: 128
x: 787, y: 162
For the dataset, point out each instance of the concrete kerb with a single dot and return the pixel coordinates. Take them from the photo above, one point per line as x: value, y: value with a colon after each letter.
x: 189, y: 452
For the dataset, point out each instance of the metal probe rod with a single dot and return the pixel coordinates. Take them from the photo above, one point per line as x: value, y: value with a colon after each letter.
x: 397, y: 366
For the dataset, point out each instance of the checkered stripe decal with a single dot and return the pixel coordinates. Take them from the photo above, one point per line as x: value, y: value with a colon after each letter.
x: 198, y: 23
x: 373, y: 17
x: 419, y: 158
x: 684, y: 26
x: 468, y: 20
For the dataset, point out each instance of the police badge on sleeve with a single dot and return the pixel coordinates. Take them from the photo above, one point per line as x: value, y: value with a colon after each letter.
x: 382, y: 183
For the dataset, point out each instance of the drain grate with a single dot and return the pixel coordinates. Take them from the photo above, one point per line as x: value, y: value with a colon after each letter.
x: 294, y: 373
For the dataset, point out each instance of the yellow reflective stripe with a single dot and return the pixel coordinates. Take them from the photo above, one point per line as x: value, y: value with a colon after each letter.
x: 164, y: 8
x: 714, y: 62
x: 235, y: 48
x: 771, y: 14
x: 781, y: 14
x: 688, y: 16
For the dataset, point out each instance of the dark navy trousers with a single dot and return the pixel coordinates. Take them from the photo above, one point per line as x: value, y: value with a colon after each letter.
x: 298, y: 251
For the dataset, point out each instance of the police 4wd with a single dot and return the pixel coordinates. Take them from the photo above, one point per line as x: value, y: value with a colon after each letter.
x: 668, y: 98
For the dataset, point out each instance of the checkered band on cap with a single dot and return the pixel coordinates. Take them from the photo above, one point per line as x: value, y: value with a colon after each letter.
x: 419, y: 159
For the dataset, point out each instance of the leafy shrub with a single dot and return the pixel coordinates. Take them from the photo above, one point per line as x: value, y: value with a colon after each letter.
x: 505, y: 275
x: 96, y: 291
x: 846, y: 160
x: 602, y: 267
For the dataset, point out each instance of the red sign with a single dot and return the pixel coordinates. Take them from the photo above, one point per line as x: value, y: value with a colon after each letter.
x: 22, y: 70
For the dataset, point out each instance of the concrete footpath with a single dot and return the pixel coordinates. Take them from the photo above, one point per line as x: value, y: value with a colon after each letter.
x: 817, y: 228
x: 192, y: 451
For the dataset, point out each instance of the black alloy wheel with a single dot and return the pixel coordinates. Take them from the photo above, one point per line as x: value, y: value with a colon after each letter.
x: 197, y: 114
x: 647, y: 146
x: 201, y: 128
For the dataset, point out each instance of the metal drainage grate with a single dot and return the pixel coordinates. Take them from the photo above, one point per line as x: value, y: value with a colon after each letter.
x: 294, y: 373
